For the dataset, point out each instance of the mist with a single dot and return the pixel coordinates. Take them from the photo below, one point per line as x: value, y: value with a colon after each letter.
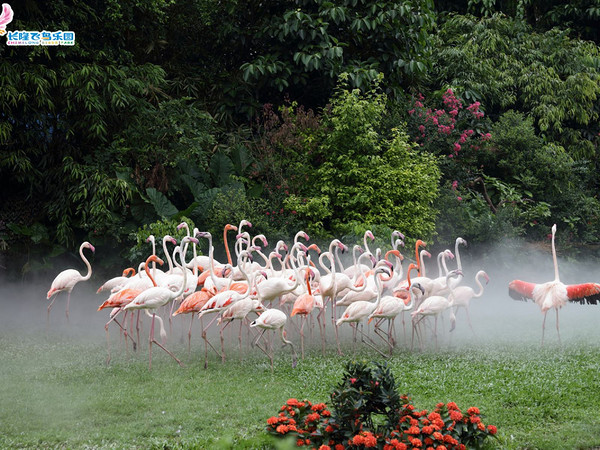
x: 496, y: 318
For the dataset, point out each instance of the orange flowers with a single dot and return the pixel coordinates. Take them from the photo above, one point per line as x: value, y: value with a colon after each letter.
x: 445, y: 428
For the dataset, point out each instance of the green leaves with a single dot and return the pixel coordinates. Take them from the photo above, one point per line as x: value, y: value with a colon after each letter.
x: 164, y: 208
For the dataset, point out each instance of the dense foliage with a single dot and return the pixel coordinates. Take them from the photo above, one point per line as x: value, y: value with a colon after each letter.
x: 326, y: 116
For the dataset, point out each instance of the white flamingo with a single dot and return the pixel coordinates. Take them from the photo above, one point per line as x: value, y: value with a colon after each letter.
x: 67, y: 279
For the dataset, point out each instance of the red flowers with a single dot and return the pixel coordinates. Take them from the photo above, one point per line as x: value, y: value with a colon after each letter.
x: 444, y: 428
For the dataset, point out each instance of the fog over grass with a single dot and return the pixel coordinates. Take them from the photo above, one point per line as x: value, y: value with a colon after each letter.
x: 495, y: 316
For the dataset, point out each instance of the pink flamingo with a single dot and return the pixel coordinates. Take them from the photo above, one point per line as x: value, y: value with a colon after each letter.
x: 67, y: 279
x: 115, y: 283
x: 554, y: 294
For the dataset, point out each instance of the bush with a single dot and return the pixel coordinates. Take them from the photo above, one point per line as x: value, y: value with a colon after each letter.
x: 367, y: 412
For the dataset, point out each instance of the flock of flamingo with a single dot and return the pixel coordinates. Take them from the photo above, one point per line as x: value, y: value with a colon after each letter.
x: 294, y: 285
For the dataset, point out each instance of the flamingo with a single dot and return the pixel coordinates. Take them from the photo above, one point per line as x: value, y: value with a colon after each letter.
x: 155, y: 297
x: 273, y: 319
x: 119, y: 299
x: 433, y: 306
x: 389, y: 307
x: 114, y: 284
x: 462, y: 295
x: 554, y: 294
x: 67, y: 279
x: 304, y: 305
x: 359, y: 310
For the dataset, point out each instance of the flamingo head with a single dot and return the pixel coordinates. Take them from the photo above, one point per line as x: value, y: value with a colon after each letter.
x: 90, y: 246
x: 485, y: 276
x: 370, y: 235
x: 399, y: 243
x: 154, y: 258
x: 411, y: 266
x: 189, y: 239
x: 396, y: 233
x: 448, y: 254
x: 182, y: 225
x: 314, y: 247
x: 419, y: 287
x: 230, y: 227
x: 150, y: 238
x: 202, y: 234
x: 420, y: 243
x: 461, y: 241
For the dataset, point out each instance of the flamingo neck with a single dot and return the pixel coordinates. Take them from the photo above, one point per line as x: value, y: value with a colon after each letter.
x: 167, y: 255
x: 554, y: 259
x: 457, y: 254
x: 87, y: 264
x: 227, y: 245
x: 478, y: 282
x: 149, y: 274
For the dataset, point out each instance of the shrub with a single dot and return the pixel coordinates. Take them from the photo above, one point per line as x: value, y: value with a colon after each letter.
x: 367, y: 412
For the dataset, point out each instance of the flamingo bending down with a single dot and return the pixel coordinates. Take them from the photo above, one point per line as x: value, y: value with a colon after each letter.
x: 462, y: 295
x: 554, y: 294
x: 67, y: 279
x: 273, y: 319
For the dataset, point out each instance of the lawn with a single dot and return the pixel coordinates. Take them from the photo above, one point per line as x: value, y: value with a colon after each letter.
x: 57, y: 391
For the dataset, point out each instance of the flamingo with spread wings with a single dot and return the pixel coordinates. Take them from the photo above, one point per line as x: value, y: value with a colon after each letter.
x: 554, y: 294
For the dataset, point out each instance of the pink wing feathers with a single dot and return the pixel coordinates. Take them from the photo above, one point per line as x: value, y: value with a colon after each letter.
x: 584, y: 293
x: 6, y: 17
x: 577, y: 293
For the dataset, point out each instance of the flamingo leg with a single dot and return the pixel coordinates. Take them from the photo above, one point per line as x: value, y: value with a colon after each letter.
x: 367, y: 340
x: 190, y: 336
x: 49, y: 308
x: 68, y: 300
x: 544, y: 327
x: 152, y: 340
x: 207, y: 343
x: 557, y: 329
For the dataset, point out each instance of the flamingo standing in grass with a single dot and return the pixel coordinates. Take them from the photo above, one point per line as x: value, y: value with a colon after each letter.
x: 554, y: 294
x: 119, y: 299
x: 434, y: 305
x: 273, y: 319
x: 155, y: 297
x: 67, y: 279
x: 462, y: 295
x: 360, y: 310
x: 389, y: 307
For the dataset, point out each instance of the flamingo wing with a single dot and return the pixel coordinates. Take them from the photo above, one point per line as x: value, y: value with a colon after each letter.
x: 521, y: 290
x: 584, y: 293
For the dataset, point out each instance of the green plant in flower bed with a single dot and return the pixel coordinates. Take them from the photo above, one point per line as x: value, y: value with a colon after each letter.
x: 368, y: 412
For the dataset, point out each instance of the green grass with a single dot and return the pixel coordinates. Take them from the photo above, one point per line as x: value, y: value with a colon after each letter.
x: 56, y: 392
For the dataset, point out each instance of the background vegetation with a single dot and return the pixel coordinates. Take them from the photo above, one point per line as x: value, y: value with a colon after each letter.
x: 472, y: 118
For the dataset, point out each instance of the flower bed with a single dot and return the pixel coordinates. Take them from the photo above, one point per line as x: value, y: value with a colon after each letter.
x: 367, y: 412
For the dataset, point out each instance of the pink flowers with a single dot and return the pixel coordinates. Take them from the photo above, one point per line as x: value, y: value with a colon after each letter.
x: 449, y: 120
